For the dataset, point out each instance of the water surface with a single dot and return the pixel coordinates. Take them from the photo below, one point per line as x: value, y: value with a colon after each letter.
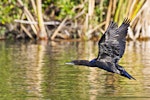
x: 38, y: 72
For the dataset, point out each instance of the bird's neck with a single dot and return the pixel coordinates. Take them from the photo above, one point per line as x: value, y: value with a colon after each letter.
x: 92, y: 62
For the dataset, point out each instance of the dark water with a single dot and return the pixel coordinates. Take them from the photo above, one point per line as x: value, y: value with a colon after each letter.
x: 38, y: 72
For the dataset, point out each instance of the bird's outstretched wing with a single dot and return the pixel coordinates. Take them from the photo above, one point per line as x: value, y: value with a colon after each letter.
x: 112, y: 44
x: 123, y: 29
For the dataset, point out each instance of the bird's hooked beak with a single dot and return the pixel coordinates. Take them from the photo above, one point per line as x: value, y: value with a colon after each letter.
x: 70, y: 63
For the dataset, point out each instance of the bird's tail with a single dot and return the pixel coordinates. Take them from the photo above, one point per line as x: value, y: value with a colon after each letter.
x: 126, y: 74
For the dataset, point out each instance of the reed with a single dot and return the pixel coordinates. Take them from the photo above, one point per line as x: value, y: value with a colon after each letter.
x: 83, y: 16
x: 42, y: 35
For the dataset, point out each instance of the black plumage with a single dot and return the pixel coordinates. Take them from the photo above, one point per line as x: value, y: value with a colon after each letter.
x: 111, y: 49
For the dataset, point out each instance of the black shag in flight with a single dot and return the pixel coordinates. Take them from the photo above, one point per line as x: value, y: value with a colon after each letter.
x: 111, y: 49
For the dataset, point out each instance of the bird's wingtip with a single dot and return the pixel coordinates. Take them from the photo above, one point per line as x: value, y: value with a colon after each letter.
x: 127, y: 21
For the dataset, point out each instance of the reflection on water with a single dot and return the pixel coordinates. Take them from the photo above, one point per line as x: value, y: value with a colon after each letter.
x: 34, y: 71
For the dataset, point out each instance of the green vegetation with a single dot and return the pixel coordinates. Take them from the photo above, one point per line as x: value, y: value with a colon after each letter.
x: 9, y: 11
x: 81, y: 18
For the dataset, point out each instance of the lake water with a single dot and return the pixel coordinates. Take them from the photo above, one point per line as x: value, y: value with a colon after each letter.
x: 30, y: 71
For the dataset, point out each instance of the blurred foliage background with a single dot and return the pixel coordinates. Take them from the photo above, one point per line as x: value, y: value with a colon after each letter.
x: 83, y: 19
